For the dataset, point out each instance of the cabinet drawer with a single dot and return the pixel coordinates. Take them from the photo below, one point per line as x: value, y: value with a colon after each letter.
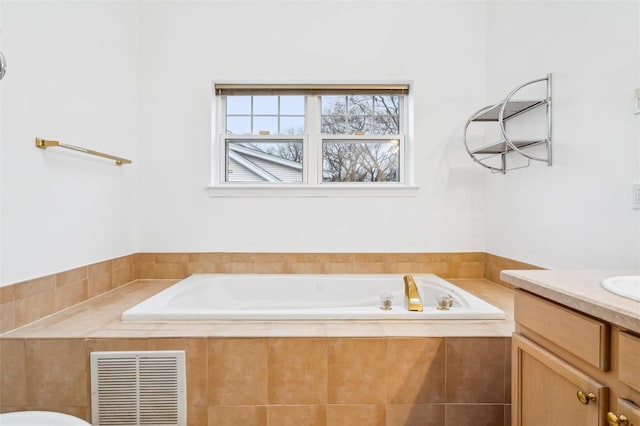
x: 584, y: 337
x: 629, y: 360
x: 627, y: 411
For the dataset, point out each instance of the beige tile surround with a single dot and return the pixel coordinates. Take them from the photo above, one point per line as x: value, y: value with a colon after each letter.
x: 31, y: 300
x: 273, y: 373
x: 28, y: 301
x: 304, y: 376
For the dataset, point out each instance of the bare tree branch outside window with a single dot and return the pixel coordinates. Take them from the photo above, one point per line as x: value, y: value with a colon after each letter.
x: 288, y: 150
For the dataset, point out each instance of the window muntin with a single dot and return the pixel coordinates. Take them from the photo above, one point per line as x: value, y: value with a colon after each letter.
x: 330, y: 138
x: 275, y: 115
x: 371, y: 115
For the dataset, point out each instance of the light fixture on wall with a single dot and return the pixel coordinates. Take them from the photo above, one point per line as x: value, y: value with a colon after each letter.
x: 3, y: 65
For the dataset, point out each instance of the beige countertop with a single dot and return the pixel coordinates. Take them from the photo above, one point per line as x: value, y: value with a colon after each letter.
x: 582, y: 291
x: 100, y: 318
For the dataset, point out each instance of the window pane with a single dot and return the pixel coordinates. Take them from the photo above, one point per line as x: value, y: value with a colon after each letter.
x: 291, y: 125
x: 360, y: 105
x: 239, y: 105
x: 386, y: 105
x: 386, y: 125
x: 238, y: 125
x: 265, y: 105
x: 360, y: 124
x: 387, y: 113
x: 334, y: 105
x: 334, y: 125
x: 292, y: 105
x: 361, y: 161
x: 268, y: 124
x: 266, y: 160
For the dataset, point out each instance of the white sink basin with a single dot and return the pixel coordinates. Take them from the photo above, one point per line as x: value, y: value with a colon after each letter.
x: 626, y: 286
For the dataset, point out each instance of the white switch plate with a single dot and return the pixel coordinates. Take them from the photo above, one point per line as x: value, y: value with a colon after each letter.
x: 637, y: 101
x: 636, y: 196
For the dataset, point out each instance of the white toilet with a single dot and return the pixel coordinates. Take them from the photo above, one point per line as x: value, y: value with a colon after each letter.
x: 40, y: 418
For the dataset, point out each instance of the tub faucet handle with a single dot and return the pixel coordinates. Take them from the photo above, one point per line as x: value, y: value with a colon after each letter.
x: 386, y: 301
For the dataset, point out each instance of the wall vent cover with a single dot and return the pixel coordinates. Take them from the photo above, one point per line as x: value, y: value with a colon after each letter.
x: 138, y: 388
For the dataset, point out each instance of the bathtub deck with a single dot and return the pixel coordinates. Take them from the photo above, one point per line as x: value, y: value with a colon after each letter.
x: 100, y: 318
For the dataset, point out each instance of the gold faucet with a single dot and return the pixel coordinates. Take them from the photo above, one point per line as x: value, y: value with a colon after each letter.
x: 412, y: 301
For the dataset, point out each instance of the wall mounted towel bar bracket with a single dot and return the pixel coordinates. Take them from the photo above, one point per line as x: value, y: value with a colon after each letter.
x: 44, y: 144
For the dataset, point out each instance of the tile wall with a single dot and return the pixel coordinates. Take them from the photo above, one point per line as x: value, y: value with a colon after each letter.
x: 494, y: 264
x: 31, y: 300
x: 180, y: 265
x: 288, y: 381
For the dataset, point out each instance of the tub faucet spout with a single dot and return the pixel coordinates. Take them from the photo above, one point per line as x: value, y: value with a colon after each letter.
x: 412, y: 299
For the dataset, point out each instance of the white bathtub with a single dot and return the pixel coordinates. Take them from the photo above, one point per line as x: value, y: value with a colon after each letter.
x: 304, y: 297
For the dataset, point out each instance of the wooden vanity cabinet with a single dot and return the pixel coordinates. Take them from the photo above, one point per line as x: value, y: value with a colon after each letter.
x: 570, y: 368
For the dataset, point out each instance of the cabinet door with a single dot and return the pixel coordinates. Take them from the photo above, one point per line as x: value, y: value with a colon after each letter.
x: 629, y: 360
x: 545, y: 390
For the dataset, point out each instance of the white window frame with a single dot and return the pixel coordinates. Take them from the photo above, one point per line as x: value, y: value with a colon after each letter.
x: 312, y: 185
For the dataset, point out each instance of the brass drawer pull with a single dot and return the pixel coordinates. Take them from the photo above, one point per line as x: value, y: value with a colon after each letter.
x: 612, y: 419
x: 584, y: 397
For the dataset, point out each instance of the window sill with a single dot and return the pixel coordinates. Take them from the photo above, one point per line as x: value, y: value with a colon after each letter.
x: 305, y: 191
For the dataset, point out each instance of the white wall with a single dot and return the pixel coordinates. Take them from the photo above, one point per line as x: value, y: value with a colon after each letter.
x: 577, y: 213
x: 134, y: 79
x: 439, y: 46
x: 72, y: 77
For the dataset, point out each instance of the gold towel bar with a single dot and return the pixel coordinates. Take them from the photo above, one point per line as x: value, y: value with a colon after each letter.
x: 44, y: 144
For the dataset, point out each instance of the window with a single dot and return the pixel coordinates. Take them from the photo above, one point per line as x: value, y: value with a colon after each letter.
x: 254, y: 148
x: 310, y: 136
x: 360, y: 138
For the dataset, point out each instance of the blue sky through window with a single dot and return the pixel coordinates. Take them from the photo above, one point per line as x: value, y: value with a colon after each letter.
x: 250, y: 115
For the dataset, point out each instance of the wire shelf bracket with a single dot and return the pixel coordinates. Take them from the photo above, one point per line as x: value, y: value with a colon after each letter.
x: 500, y: 113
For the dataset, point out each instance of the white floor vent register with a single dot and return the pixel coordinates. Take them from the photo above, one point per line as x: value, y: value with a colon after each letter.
x: 138, y: 388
